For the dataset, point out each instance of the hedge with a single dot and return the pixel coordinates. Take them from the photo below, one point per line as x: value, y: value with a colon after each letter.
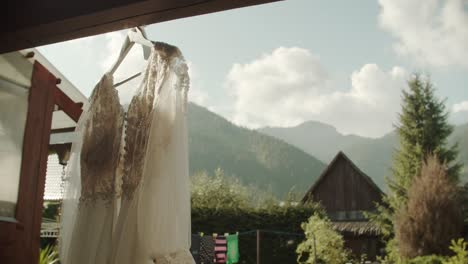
x: 280, y: 235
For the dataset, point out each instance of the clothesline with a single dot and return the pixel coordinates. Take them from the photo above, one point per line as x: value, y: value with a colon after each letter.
x: 264, y: 231
x: 225, y: 247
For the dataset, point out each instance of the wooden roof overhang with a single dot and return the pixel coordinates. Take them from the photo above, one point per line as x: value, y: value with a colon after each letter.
x: 31, y: 23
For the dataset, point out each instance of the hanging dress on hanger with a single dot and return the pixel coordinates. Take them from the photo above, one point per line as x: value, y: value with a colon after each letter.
x: 154, y: 219
x: 89, y: 200
x: 127, y: 198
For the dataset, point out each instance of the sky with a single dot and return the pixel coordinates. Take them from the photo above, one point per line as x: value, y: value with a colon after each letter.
x: 281, y: 64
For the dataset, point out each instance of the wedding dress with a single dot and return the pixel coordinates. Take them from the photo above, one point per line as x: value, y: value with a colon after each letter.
x: 88, y: 205
x: 150, y: 179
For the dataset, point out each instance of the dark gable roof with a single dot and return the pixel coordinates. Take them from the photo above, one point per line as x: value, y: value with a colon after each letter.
x: 330, y: 166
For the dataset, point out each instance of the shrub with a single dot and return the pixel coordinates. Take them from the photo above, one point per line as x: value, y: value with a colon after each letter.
x: 459, y: 247
x: 433, y: 216
x: 218, y: 191
x: 431, y: 259
x: 322, y: 243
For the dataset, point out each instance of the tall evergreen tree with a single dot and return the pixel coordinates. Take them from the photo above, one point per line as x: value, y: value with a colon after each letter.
x: 423, y: 131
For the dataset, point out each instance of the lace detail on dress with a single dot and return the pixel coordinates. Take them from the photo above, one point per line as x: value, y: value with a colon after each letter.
x: 179, y: 257
x: 139, y: 115
x: 138, y: 123
x: 102, y: 133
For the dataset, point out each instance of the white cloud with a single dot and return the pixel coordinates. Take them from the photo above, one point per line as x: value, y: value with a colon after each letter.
x: 196, y: 94
x: 290, y: 86
x: 432, y: 32
x: 459, y: 113
x: 460, y: 107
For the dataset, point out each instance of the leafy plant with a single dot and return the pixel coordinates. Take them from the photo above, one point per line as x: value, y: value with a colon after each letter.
x: 48, y: 255
x: 430, y: 259
x: 322, y: 243
x: 459, y: 247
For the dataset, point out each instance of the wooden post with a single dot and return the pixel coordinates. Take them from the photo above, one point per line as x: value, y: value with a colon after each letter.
x: 258, y: 246
x: 19, y: 241
x: 34, y: 164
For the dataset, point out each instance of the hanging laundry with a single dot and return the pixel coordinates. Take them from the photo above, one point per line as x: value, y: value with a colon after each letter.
x: 195, y: 248
x: 232, y: 249
x: 207, y: 246
x: 220, y: 249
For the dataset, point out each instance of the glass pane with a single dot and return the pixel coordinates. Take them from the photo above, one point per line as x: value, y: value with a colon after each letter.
x: 13, y: 110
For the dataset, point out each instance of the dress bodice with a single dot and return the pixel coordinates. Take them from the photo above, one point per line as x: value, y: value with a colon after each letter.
x: 138, y: 122
x: 102, y: 131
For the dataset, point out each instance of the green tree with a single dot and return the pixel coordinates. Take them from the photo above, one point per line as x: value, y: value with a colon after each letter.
x: 218, y: 191
x: 423, y: 130
x: 322, y: 243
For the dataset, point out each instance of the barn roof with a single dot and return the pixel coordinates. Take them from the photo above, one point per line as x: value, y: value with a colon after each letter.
x: 357, y: 227
x: 333, y: 164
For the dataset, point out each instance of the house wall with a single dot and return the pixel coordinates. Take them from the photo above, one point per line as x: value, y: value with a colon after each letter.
x: 363, y: 245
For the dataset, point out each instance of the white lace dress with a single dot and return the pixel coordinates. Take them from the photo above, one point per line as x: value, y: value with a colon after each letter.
x: 152, y: 181
x: 89, y: 202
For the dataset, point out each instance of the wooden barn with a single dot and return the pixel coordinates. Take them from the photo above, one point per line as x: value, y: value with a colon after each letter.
x: 346, y: 192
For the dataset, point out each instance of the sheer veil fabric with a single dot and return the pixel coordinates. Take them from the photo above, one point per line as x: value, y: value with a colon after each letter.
x: 143, y: 215
x: 88, y: 205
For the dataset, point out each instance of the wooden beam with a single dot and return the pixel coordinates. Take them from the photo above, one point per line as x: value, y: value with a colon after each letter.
x: 32, y: 23
x: 34, y: 164
x: 72, y: 109
x: 62, y: 130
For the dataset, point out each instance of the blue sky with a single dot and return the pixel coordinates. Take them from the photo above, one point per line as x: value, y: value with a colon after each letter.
x: 280, y: 64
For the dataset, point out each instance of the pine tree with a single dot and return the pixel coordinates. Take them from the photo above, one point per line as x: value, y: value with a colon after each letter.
x: 423, y: 131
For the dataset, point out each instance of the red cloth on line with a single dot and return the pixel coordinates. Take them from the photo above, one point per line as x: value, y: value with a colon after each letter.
x: 220, y: 249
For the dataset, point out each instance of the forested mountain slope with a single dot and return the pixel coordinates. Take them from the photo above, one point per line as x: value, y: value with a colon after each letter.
x: 256, y: 159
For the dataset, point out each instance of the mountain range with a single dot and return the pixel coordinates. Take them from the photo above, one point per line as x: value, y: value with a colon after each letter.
x: 372, y: 155
x: 279, y: 159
